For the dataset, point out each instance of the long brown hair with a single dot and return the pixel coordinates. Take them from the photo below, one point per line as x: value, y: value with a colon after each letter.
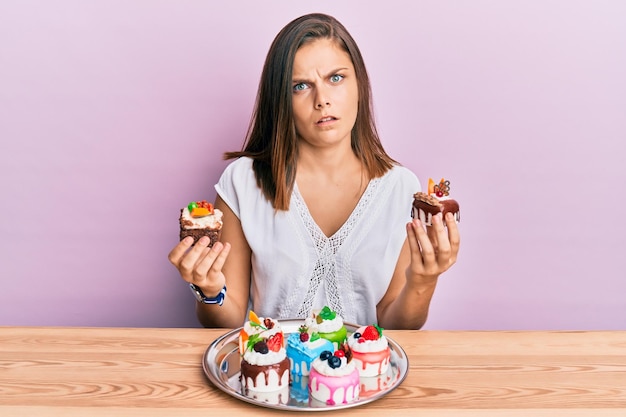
x: 272, y: 141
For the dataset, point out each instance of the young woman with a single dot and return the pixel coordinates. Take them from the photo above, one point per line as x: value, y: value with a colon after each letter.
x: 315, y: 211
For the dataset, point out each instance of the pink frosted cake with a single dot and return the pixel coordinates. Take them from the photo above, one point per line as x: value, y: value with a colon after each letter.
x: 264, y: 363
x: 370, y: 350
x: 334, y: 379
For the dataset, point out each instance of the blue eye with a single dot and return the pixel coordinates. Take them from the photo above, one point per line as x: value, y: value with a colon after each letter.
x: 299, y: 87
x: 336, y: 78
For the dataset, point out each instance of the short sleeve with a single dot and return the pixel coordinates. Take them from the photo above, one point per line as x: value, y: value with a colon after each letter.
x: 236, y: 181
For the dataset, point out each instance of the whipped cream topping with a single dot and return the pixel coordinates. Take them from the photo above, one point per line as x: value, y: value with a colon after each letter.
x: 329, y: 326
x: 367, y: 345
x: 261, y: 329
x: 311, y: 324
x: 212, y: 221
x: 324, y: 368
x: 315, y: 344
x: 260, y: 359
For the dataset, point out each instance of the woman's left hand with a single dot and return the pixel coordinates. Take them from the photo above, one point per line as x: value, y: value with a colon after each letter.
x: 434, y: 249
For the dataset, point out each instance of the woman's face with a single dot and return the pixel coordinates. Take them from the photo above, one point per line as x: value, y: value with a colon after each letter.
x: 325, y: 93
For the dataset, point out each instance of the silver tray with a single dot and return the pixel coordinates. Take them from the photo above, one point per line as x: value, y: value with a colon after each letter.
x: 221, y: 363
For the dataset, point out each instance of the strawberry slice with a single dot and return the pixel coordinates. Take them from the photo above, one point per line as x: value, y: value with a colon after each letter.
x: 370, y: 333
x: 275, y: 342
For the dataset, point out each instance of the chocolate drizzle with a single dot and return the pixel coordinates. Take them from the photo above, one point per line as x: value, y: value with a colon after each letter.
x: 432, y: 205
x: 249, y: 371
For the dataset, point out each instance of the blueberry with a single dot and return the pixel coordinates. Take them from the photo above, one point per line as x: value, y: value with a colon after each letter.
x: 325, y: 355
x: 334, y: 362
x: 261, y: 347
x: 356, y: 335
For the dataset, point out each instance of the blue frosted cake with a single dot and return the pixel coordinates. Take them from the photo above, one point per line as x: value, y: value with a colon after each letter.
x: 304, y: 347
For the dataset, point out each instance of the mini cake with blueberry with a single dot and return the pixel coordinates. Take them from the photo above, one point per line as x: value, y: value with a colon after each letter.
x: 370, y: 350
x: 264, y: 363
x: 330, y: 326
x: 334, y: 378
x: 304, y: 347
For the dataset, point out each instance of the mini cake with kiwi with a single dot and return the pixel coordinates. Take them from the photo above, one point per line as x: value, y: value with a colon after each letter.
x: 330, y: 326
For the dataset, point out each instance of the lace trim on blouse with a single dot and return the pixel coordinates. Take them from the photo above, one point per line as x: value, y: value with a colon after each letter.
x: 326, y: 271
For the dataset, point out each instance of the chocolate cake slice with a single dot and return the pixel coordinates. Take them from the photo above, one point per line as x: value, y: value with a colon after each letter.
x: 200, y: 219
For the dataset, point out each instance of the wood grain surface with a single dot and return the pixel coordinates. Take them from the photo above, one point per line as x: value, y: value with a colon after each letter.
x: 51, y: 371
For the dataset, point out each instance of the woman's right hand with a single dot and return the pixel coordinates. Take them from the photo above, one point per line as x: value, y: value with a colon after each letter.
x: 208, y: 268
x: 201, y: 265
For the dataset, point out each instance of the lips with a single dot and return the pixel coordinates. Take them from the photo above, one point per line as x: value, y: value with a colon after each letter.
x: 326, y: 119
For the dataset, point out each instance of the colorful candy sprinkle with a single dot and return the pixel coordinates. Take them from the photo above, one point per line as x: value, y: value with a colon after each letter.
x: 200, y: 208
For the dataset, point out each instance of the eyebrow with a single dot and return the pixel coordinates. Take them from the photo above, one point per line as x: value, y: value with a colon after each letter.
x: 298, y: 80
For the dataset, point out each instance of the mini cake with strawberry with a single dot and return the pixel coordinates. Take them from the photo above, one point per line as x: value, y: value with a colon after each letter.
x: 370, y: 350
x: 304, y: 346
x: 199, y: 219
x: 264, y: 363
x: 330, y: 326
x: 436, y: 200
x: 334, y: 378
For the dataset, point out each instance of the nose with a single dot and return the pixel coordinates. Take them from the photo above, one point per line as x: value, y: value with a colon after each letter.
x: 321, y: 99
x: 322, y: 104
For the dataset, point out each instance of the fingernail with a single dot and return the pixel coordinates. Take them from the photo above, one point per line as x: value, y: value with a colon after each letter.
x: 203, y: 240
x: 188, y: 240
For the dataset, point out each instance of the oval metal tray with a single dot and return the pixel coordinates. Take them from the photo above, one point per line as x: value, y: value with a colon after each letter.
x: 221, y: 363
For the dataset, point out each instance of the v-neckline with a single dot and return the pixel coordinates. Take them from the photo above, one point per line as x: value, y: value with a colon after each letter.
x: 304, y: 211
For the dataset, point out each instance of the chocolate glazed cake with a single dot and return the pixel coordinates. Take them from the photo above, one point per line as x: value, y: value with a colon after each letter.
x: 437, y: 200
x: 250, y: 373
x: 426, y: 206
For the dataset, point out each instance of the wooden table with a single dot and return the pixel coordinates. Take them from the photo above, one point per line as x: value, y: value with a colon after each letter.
x: 48, y: 371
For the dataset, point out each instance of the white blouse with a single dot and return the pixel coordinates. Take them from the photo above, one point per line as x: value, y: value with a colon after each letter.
x: 297, y: 269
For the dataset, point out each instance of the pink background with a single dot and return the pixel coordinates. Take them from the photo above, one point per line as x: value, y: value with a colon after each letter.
x: 114, y: 114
